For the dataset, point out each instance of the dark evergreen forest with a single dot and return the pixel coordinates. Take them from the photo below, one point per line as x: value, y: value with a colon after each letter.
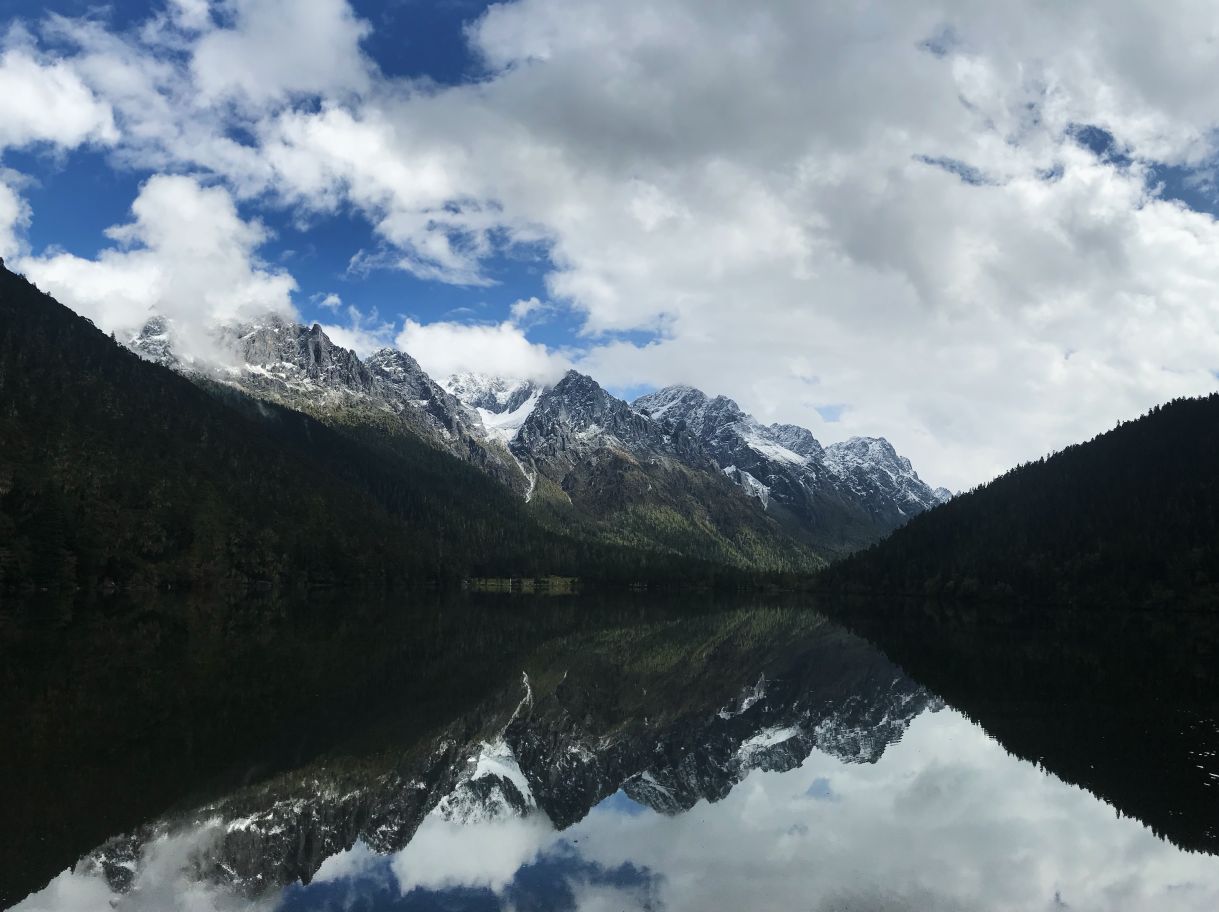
x: 1129, y: 520
x: 115, y: 471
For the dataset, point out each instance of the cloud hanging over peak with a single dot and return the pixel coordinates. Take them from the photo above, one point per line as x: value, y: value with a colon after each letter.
x: 497, y: 349
x: 187, y: 255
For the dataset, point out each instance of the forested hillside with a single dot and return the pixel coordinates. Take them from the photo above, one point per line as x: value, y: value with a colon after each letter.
x: 1127, y: 520
x: 114, y: 470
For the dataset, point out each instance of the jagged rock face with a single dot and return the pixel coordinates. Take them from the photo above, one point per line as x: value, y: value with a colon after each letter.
x: 297, y: 356
x: 872, y: 470
x: 614, y: 464
x: 577, y: 415
x: 843, y: 496
x: 502, y: 405
x: 152, y: 343
x: 797, y: 439
x: 300, y: 367
x: 415, y: 389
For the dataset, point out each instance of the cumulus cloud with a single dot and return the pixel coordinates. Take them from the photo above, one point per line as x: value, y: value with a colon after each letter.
x: 363, y: 333
x: 281, y: 47
x: 525, y: 308
x: 499, y: 349
x: 14, y: 215
x: 46, y: 101
x: 163, y: 882
x: 444, y: 854
x: 191, y: 14
x: 187, y: 255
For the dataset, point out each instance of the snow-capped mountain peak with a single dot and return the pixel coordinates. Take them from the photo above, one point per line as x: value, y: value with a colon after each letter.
x: 866, y: 451
x: 862, y: 482
x: 491, y: 394
x: 503, y: 404
x: 154, y: 342
x: 796, y: 439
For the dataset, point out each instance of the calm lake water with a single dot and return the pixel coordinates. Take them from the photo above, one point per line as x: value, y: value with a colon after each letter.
x: 343, y: 753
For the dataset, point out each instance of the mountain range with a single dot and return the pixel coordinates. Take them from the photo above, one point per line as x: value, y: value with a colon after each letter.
x: 263, y: 451
x: 676, y: 470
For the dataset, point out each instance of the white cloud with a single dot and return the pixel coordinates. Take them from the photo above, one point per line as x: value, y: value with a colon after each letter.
x: 330, y: 301
x: 444, y: 854
x: 358, y: 861
x: 363, y: 334
x: 191, y: 14
x: 14, y: 216
x: 282, y: 47
x: 188, y: 256
x: 500, y: 349
x: 527, y: 307
x: 414, y: 184
x: 163, y: 882
x: 46, y: 101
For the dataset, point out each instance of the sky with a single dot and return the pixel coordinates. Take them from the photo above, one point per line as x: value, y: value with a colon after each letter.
x: 983, y: 231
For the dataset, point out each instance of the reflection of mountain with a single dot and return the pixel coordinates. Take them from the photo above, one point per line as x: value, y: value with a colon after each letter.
x: 672, y: 711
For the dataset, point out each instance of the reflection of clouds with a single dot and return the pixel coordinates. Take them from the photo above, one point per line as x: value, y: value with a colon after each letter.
x: 164, y: 882
x: 484, y: 854
x: 357, y: 861
x: 945, y: 820
x: 555, y: 878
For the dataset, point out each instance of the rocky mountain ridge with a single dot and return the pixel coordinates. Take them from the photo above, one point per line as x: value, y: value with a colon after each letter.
x: 302, y: 368
x: 678, y: 451
x: 844, y: 495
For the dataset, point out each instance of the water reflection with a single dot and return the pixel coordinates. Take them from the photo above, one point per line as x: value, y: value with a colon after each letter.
x: 573, y: 755
x: 945, y: 820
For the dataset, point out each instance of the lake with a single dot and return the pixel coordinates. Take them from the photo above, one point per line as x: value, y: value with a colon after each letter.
x: 427, y: 752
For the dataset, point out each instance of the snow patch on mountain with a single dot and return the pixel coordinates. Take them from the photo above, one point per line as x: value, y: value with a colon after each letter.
x: 505, y: 425
x: 750, y: 485
x: 750, y: 749
x: 497, y: 395
x: 759, y: 440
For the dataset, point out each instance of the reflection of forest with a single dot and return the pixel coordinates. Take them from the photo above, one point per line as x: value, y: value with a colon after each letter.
x: 1123, y: 703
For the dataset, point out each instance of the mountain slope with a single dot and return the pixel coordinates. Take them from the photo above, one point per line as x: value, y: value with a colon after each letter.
x: 299, y: 367
x: 1128, y: 520
x: 677, y: 472
x: 839, y: 497
x: 593, y: 456
x: 114, y: 469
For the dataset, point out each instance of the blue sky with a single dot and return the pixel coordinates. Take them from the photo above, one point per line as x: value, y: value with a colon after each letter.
x: 981, y: 232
